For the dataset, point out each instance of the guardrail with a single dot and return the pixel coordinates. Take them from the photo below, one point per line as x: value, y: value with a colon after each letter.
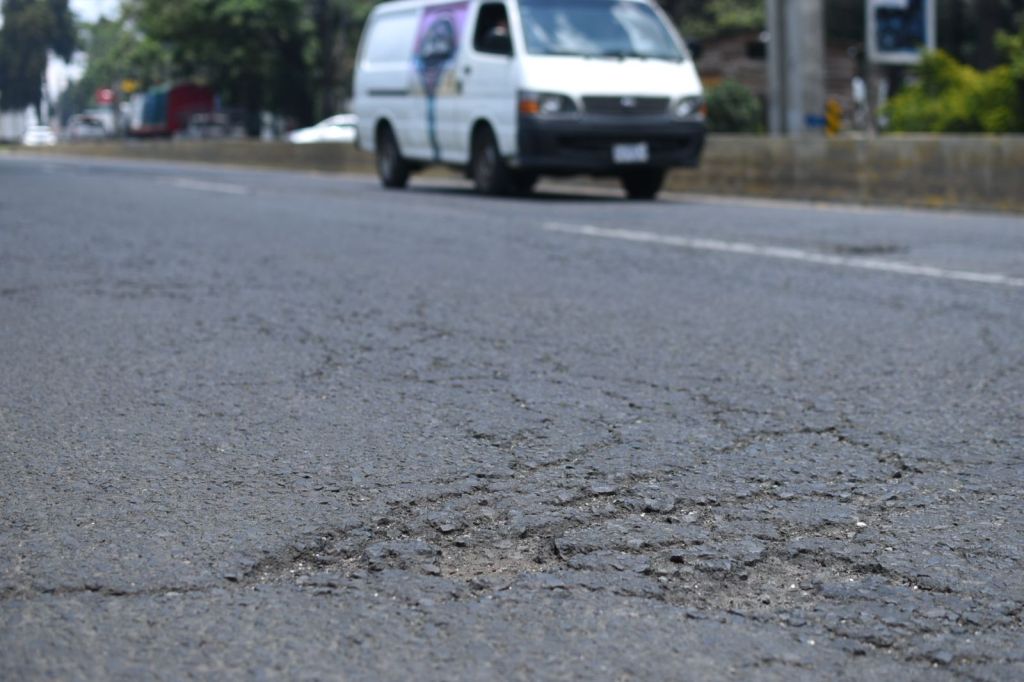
x: 966, y: 172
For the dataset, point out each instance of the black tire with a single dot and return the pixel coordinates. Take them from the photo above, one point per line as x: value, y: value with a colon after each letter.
x: 490, y: 174
x: 523, y: 183
x: 391, y: 167
x: 643, y: 185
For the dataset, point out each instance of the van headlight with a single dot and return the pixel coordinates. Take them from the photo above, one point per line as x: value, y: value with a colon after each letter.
x: 545, y: 104
x: 692, y: 109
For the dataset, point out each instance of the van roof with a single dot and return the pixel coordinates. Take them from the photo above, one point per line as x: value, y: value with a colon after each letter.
x: 398, y: 5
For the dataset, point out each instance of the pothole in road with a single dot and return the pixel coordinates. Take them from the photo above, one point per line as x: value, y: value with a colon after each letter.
x: 862, y: 250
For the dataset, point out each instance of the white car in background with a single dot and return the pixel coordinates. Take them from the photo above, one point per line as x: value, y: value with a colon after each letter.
x: 340, y: 128
x: 83, y: 127
x: 39, y: 136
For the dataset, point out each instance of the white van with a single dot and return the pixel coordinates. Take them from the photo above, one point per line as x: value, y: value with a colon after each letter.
x: 510, y: 90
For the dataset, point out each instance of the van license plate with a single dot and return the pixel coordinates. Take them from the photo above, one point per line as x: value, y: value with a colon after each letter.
x: 631, y: 153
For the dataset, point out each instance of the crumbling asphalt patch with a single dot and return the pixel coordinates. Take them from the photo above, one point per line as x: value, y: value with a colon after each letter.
x: 812, y: 558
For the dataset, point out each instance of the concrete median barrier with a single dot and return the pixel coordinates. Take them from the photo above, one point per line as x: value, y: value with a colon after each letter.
x: 966, y: 172
x: 313, y: 157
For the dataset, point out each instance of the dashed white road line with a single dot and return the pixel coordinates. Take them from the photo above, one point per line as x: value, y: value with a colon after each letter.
x: 215, y: 187
x: 785, y: 253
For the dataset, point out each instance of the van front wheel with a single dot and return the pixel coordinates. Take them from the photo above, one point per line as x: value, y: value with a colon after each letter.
x: 643, y: 184
x: 490, y: 174
x: 391, y: 167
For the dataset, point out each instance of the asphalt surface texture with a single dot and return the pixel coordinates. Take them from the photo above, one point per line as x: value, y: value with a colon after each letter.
x: 266, y: 425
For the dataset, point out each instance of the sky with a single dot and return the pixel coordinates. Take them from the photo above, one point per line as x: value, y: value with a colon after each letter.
x: 91, y: 10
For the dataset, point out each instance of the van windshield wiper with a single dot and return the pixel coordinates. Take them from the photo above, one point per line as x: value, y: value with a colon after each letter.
x: 632, y: 54
x: 610, y: 54
x: 623, y: 54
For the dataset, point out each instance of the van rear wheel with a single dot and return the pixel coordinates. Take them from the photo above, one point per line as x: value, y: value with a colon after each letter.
x: 523, y: 182
x: 490, y: 174
x: 391, y: 167
x: 643, y: 184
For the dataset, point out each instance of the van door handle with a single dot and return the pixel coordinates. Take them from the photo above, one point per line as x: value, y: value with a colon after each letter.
x: 467, y: 70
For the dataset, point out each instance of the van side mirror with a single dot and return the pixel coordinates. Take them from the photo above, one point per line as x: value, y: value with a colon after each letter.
x: 497, y: 44
x: 696, y: 49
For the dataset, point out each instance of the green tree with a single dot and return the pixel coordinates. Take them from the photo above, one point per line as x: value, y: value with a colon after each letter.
x: 253, y: 52
x: 844, y: 19
x: 700, y: 19
x: 293, y: 57
x: 31, y: 29
x: 1012, y: 46
x: 991, y: 17
x: 337, y: 27
x: 116, y: 51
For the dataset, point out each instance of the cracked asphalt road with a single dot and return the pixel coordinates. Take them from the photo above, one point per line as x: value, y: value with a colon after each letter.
x: 259, y: 425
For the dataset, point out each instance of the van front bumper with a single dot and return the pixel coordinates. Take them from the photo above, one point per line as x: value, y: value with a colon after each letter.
x: 584, y: 145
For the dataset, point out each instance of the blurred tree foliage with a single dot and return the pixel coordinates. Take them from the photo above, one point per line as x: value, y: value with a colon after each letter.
x: 117, y: 51
x: 844, y: 19
x: 954, y: 97
x: 701, y: 19
x: 296, y: 56
x: 733, y: 108
x: 967, y: 29
x: 289, y: 56
x: 31, y: 28
x: 253, y: 52
x: 1012, y: 45
x: 976, y: 25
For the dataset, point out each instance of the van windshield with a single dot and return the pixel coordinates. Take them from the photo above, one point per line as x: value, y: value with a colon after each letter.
x: 596, y: 28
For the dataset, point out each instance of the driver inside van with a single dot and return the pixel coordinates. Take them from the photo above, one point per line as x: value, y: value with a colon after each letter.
x: 492, y: 34
x: 498, y: 30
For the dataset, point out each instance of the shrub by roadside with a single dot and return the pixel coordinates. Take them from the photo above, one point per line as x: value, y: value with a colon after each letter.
x: 733, y: 108
x: 951, y: 97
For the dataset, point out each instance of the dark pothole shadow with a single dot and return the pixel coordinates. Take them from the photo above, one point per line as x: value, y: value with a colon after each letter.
x: 864, y: 250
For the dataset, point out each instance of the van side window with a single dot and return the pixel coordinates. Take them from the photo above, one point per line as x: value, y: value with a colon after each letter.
x: 390, y: 38
x: 492, y: 34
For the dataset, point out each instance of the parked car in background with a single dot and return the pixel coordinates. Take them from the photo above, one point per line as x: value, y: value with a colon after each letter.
x: 209, y: 126
x: 83, y: 127
x: 340, y: 128
x: 39, y: 136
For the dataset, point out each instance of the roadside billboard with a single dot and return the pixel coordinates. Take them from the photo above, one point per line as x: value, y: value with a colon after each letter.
x: 900, y: 31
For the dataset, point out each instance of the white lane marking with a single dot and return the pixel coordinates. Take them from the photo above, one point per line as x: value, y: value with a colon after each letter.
x: 748, y: 249
x: 203, y: 186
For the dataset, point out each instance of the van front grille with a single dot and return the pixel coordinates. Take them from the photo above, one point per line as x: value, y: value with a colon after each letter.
x: 657, y: 144
x: 626, y: 105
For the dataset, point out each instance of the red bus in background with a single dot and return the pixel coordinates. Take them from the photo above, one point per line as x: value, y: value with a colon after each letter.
x: 166, y: 109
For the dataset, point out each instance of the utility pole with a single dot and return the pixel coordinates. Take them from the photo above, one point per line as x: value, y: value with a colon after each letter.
x: 796, y: 66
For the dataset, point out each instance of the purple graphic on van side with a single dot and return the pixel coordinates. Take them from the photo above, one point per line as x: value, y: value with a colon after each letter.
x: 437, y: 44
